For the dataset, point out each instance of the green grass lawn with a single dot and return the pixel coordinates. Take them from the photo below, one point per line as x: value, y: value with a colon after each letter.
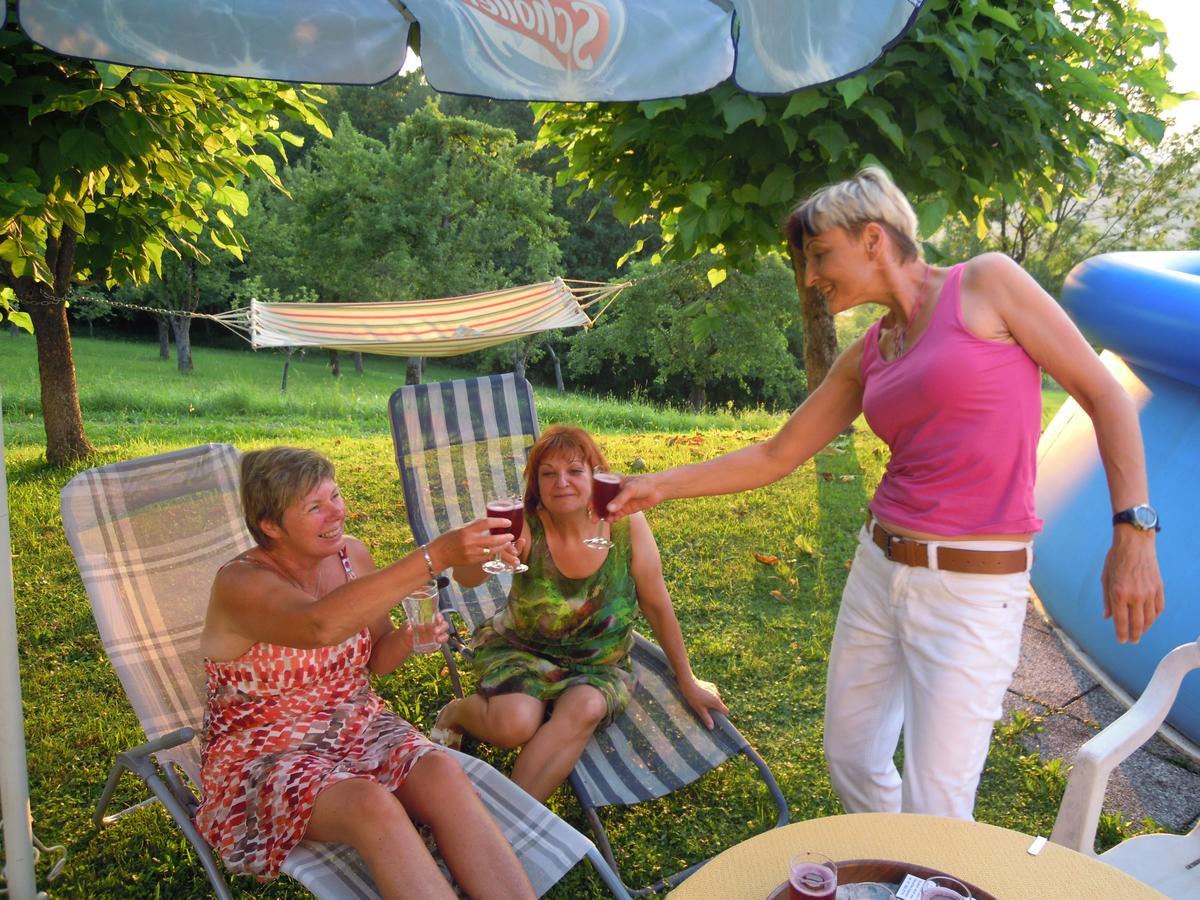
x: 760, y: 631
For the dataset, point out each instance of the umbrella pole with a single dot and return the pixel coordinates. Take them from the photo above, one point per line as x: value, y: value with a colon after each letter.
x: 14, y: 784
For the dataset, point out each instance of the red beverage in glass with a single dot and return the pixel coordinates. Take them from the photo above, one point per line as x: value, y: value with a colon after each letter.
x: 513, y: 510
x: 605, y: 487
x: 812, y: 881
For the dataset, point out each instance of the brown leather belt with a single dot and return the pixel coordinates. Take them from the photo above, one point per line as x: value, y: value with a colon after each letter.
x: 911, y: 552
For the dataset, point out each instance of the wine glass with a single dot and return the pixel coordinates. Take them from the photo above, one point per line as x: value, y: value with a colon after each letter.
x: 812, y: 877
x: 513, y: 509
x: 605, y: 486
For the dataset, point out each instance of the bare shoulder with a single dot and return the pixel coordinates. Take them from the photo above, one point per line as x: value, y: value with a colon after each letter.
x: 360, y: 556
x: 996, y: 275
x: 643, y: 547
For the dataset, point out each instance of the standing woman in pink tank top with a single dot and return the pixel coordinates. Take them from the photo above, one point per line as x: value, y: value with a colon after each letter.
x: 929, y: 630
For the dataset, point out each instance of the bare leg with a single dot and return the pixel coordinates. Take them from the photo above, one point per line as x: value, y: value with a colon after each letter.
x: 372, y: 820
x: 547, y: 759
x: 506, y: 720
x: 438, y: 792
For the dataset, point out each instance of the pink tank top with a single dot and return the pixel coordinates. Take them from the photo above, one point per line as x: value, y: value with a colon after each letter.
x: 962, y: 416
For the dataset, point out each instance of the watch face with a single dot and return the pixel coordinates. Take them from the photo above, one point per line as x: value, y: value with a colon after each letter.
x: 1144, y: 517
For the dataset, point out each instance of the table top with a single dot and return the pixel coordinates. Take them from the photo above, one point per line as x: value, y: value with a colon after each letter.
x: 993, y: 858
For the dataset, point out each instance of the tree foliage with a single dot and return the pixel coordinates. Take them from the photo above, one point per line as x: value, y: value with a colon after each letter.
x: 103, y: 170
x: 672, y: 337
x: 443, y: 208
x: 981, y: 102
x: 1134, y: 203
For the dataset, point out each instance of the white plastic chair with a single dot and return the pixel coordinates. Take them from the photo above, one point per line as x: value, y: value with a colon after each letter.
x: 1166, y: 862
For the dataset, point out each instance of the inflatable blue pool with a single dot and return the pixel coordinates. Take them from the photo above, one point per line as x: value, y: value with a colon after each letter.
x: 1144, y: 308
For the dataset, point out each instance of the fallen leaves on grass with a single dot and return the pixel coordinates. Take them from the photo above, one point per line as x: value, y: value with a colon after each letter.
x: 766, y: 558
x: 779, y: 595
x: 694, y: 439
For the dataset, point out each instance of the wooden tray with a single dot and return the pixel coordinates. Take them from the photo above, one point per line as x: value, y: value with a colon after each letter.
x: 856, y: 871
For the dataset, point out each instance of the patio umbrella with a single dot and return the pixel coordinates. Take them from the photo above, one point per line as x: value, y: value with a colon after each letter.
x: 506, y: 49
x: 578, y: 50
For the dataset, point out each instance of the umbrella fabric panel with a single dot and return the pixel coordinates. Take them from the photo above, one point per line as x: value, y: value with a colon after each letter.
x: 347, y: 42
x: 507, y: 49
x: 575, y: 49
x: 785, y: 44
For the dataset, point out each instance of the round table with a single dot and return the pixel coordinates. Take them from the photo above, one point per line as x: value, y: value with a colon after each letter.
x: 993, y: 858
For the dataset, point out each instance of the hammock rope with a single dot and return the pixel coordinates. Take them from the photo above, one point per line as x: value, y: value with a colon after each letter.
x: 444, y: 327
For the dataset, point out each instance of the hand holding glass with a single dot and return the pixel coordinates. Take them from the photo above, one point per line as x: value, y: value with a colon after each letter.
x: 605, y: 487
x: 421, y: 607
x: 513, y: 509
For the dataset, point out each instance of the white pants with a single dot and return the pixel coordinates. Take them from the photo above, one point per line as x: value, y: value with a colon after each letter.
x: 932, y: 652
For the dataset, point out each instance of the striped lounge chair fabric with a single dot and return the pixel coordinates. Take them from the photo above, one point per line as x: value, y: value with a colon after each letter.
x: 148, y: 536
x: 460, y: 442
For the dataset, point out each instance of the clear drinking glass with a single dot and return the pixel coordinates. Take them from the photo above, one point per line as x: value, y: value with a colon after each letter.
x: 421, y: 607
x: 943, y: 887
x: 812, y: 877
x: 605, y: 487
x: 513, y: 509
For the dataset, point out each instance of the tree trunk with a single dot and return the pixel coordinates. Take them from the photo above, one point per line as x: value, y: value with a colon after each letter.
x: 412, y: 370
x: 358, y: 364
x: 287, y: 362
x: 558, y: 379
x: 181, y: 326
x: 65, y: 439
x: 91, y: 328
x: 519, y: 362
x: 698, y: 397
x: 164, y: 336
x: 820, y: 335
x: 335, y: 364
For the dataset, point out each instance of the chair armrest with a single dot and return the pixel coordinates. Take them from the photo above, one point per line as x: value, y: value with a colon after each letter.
x: 1079, y: 813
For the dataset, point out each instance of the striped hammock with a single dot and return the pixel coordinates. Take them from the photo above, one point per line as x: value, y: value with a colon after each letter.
x: 445, y: 327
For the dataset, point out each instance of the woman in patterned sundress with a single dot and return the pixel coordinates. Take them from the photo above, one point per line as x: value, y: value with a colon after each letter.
x: 296, y: 745
x: 563, y: 639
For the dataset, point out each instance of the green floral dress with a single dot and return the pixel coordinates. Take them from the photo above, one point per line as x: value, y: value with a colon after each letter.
x: 557, y: 632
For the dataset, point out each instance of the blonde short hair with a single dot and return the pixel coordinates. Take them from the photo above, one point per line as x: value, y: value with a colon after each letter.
x: 274, y: 479
x: 870, y: 196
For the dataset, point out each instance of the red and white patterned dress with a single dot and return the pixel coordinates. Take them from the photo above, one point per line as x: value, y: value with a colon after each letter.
x: 281, y: 725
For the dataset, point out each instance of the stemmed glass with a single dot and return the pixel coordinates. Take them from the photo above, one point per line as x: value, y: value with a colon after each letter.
x: 812, y: 877
x: 513, y: 509
x: 605, y: 487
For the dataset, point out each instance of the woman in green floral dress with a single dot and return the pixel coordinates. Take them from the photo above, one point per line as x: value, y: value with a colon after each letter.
x: 564, y: 637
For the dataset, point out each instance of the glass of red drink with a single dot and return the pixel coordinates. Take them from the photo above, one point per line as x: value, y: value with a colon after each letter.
x: 812, y: 877
x: 605, y: 487
x: 513, y: 509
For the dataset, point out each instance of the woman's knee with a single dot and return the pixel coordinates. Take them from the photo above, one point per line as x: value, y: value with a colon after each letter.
x: 513, y: 719
x: 357, y: 808
x: 582, y: 710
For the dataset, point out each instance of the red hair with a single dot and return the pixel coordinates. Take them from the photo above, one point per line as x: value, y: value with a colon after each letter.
x: 564, y: 440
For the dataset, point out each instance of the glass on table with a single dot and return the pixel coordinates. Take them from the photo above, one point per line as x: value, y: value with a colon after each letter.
x: 812, y: 876
x: 513, y: 509
x: 866, y: 890
x: 605, y: 487
x: 943, y: 887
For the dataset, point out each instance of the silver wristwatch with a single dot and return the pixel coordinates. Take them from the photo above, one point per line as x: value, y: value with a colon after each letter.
x: 1142, y: 517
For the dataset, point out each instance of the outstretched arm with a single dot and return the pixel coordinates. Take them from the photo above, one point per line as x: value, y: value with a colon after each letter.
x: 1132, y: 584
x: 822, y: 417
x: 655, y: 603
